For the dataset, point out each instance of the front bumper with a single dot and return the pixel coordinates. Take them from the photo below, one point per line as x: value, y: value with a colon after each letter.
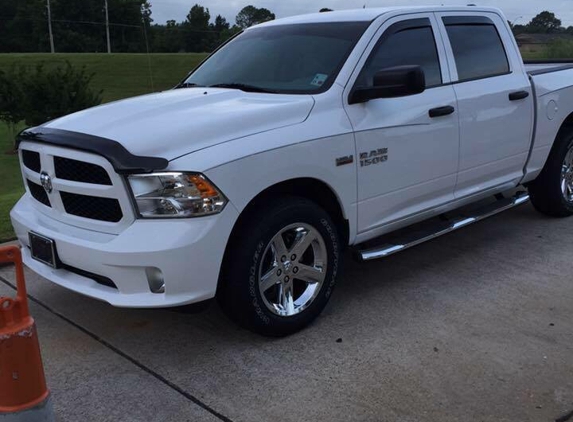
x: 188, y: 252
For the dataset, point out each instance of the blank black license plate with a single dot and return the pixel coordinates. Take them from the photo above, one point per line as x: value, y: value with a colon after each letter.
x: 43, y: 249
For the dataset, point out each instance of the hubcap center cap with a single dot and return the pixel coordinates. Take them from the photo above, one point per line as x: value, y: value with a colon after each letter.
x: 287, y: 267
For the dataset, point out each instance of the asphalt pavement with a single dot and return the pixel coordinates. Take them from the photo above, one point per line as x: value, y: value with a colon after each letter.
x: 474, y: 326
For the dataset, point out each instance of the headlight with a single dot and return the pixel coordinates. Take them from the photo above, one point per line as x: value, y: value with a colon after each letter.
x: 177, y: 195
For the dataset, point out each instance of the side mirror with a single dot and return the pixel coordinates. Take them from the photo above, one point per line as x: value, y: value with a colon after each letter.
x: 393, y: 82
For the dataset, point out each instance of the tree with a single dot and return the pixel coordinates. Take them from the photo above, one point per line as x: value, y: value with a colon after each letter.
x: 234, y: 30
x: 72, y: 36
x: 519, y: 29
x: 23, y: 26
x: 250, y: 15
x: 221, y: 31
x: 196, y: 29
x: 221, y: 24
x: 146, y: 13
x: 130, y: 15
x: 79, y: 26
x: 167, y: 38
x: 544, y: 23
x: 199, y: 17
x: 325, y: 9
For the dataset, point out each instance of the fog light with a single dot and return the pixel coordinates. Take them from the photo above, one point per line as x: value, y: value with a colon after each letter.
x: 155, y: 280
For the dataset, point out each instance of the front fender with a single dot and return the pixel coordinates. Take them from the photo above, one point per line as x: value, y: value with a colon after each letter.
x: 242, y: 180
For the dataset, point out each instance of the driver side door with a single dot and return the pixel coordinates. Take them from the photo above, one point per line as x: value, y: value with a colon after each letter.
x: 407, y: 147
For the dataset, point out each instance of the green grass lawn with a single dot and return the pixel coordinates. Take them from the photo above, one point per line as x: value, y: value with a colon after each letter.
x: 119, y: 75
x: 11, y: 187
x: 540, y: 54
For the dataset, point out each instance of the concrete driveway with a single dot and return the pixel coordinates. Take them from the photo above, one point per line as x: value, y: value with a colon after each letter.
x: 474, y: 326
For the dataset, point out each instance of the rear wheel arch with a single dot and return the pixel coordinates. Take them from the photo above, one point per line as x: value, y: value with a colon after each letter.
x: 566, y: 126
x: 547, y: 191
x: 569, y: 120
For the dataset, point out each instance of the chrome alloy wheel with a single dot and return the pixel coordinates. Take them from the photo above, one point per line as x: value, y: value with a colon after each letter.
x: 567, y: 176
x: 292, y: 270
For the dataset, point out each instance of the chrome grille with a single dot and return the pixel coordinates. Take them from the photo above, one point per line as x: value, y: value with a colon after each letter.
x: 86, y: 191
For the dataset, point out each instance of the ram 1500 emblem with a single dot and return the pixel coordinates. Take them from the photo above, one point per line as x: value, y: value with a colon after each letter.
x: 377, y: 156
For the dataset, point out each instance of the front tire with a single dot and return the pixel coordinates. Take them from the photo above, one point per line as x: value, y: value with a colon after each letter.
x: 552, y: 192
x: 281, y: 267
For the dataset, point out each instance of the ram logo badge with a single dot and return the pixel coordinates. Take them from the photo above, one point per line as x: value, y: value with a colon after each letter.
x: 377, y: 156
x: 349, y: 159
x: 46, y: 182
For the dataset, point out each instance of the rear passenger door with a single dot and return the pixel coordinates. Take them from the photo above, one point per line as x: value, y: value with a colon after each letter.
x: 495, y: 101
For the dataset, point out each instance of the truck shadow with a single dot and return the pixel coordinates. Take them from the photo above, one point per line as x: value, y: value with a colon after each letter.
x: 457, y: 264
x: 452, y: 261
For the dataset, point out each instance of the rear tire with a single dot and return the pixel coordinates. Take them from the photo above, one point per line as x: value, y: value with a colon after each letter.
x: 552, y: 192
x: 281, y: 267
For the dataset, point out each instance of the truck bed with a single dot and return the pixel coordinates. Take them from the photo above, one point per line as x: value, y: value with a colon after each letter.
x: 539, y: 67
x: 552, y: 82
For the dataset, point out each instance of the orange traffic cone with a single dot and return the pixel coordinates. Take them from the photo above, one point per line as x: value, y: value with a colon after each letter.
x: 23, y: 392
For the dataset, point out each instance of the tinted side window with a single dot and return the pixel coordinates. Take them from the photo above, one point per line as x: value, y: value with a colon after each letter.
x: 413, y: 46
x: 478, y: 51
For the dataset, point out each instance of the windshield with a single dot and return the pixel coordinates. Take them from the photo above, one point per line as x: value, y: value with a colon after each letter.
x: 291, y: 59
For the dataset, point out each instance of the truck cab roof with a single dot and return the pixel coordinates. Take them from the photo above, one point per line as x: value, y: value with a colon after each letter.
x: 370, y: 14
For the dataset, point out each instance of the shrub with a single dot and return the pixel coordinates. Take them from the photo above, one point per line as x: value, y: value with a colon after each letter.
x: 560, y: 49
x: 53, y: 93
x: 38, y: 95
x: 12, y: 104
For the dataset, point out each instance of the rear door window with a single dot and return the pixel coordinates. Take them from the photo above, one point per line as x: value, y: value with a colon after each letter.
x: 477, y: 47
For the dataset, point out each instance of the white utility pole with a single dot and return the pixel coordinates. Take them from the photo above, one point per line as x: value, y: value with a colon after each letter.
x: 107, y: 28
x: 515, y: 20
x: 52, y: 48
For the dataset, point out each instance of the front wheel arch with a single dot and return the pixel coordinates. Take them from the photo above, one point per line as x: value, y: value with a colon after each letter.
x: 309, y: 188
x: 238, y: 293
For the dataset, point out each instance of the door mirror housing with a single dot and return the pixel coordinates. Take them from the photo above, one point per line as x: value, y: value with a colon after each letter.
x: 400, y: 81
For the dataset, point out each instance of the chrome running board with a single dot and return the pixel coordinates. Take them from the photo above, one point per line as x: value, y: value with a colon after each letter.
x: 430, y: 229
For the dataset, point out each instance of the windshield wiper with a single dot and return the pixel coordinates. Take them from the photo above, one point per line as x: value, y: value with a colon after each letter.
x: 188, y: 85
x: 243, y: 87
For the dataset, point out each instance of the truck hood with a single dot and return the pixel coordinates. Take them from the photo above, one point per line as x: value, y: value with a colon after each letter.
x: 181, y: 121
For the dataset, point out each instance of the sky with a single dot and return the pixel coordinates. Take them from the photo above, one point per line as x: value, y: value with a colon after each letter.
x: 518, y: 11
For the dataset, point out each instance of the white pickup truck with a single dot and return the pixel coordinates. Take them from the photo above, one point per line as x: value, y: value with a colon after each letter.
x: 375, y: 129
